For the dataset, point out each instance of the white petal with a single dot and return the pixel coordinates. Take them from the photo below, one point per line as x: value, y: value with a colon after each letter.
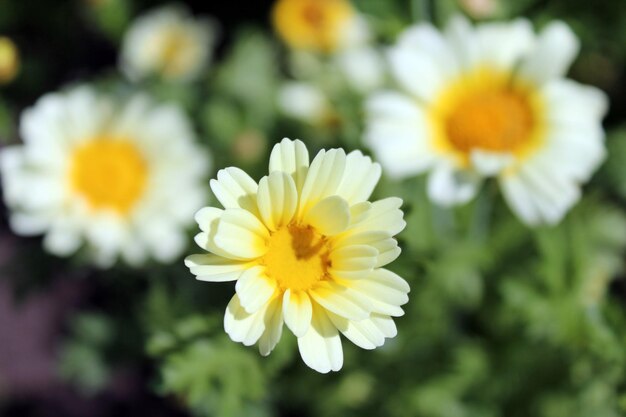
x: 353, y: 262
x: 383, y: 290
x: 569, y: 103
x: 556, y: 48
x: 273, y: 327
x: 206, y: 216
x: 448, y: 186
x: 381, y: 216
x: 369, y: 333
x: 214, y: 268
x: 320, y: 347
x: 297, y: 311
x: 241, y: 326
x: 463, y: 41
x: 254, y: 288
x: 235, y: 189
x: 277, y: 199
x: 338, y: 299
x: 490, y: 163
x: 292, y: 157
x: 502, y: 45
x: 241, y: 234
x: 360, y: 178
x: 329, y: 216
x: 323, y: 177
x: 397, y: 131
x: 62, y: 239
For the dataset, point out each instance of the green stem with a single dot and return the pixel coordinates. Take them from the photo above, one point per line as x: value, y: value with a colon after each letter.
x: 420, y: 10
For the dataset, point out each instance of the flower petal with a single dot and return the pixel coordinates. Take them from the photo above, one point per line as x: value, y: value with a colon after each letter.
x: 210, y: 267
x: 353, y: 262
x: 241, y: 326
x: 340, y: 300
x: 555, y: 49
x: 382, y: 216
x: 323, y: 177
x: 254, y: 288
x: 329, y: 216
x: 369, y: 333
x: 273, y: 327
x: 320, y: 347
x: 235, y: 189
x: 360, y: 177
x: 297, y: 311
x: 241, y: 234
x: 383, y: 290
x: 448, y: 186
x: 277, y: 199
x: 292, y: 157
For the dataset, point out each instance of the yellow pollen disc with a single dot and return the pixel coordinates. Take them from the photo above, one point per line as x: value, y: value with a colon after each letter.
x: 9, y: 60
x: 316, y: 25
x: 297, y: 257
x: 108, y: 173
x: 487, y: 112
x: 176, y: 45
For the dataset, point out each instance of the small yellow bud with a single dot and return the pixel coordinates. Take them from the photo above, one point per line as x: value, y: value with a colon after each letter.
x: 9, y: 60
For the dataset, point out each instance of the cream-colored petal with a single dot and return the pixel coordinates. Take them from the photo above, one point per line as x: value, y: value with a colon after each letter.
x: 241, y: 234
x: 292, y: 157
x: 241, y: 326
x: 383, y: 215
x: 369, y: 333
x: 329, y: 216
x: 323, y: 177
x: 360, y: 177
x: 277, y: 199
x: 353, y: 262
x: 206, y: 216
x: 449, y: 186
x: 297, y: 311
x: 340, y: 300
x: 254, y: 288
x: 210, y: 267
x: 320, y: 347
x: 273, y: 326
x: 383, y: 291
x: 235, y: 189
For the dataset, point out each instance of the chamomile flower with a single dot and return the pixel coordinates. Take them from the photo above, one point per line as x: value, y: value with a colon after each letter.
x: 168, y: 42
x: 118, y: 178
x: 490, y: 101
x: 333, y: 29
x: 306, y: 249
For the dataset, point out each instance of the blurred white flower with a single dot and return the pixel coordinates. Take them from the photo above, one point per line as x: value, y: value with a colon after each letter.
x: 332, y: 28
x: 306, y: 249
x: 122, y: 179
x: 303, y: 101
x: 168, y: 42
x: 490, y: 101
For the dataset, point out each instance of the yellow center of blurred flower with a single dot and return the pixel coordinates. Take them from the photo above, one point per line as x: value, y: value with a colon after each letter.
x: 297, y: 257
x: 109, y: 173
x: 175, y: 49
x: 9, y: 60
x: 317, y: 25
x: 487, y: 111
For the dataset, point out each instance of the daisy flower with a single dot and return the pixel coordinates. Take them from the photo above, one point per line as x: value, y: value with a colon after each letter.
x: 306, y: 249
x: 333, y: 28
x: 490, y: 101
x: 167, y: 42
x: 120, y: 179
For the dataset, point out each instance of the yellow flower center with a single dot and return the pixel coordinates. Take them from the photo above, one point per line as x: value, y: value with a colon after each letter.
x: 317, y: 25
x: 175, y: 51
x: 109, y: 173
x: 297, y: 257
x: 487, y: 111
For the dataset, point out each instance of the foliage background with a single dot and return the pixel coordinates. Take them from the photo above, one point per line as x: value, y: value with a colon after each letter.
x: 502, y: 320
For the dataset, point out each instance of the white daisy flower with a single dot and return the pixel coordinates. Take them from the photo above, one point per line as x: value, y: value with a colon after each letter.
x: 303, y: 101
x: 168, y: 42
x: 490, y: 101
x: 335, y: 28
x: 306, y: 248
x: 122, y: 179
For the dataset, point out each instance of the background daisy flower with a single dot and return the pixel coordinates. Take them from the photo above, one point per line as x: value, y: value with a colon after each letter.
x: 167, y: 42
x: 306, y: 249
x: 106, y: 175
x: 490, y: 101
